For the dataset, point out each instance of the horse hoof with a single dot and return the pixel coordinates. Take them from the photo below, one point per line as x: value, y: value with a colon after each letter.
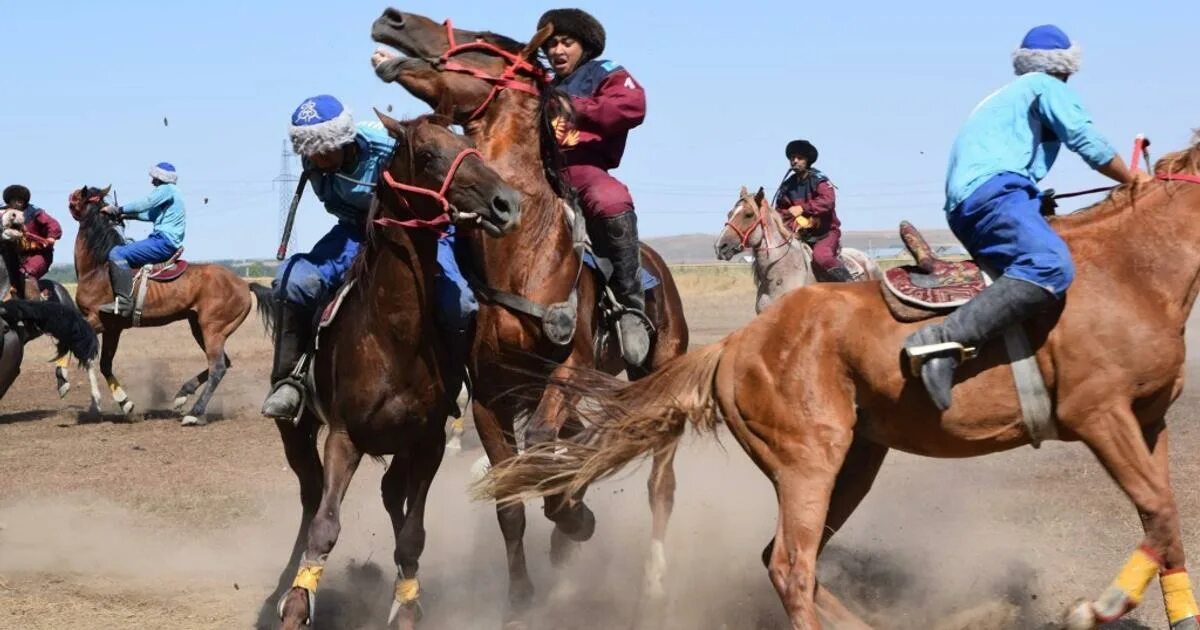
x: 309, y: 605
x: 1082, y: 616
x: 127, y: 408
x: 179, y: 404
x: 193, y: 421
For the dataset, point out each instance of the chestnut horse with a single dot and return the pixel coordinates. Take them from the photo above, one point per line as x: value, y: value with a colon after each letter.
x: 782, y: 261
x: 213, y: 300
x: 492, y: 86
x: 1112, y: 357
x: 380, y: 364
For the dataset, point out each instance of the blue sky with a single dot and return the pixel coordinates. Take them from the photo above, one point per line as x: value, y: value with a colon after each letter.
x: 880, y: 87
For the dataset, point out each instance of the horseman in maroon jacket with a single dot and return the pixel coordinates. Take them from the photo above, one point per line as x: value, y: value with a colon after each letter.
x: 808, y: 203
x: 30, y: 259
x: 604, y: 104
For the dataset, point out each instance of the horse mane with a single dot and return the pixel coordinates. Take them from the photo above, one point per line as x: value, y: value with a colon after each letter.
x: 1185, y: 161
x: 99, y: 234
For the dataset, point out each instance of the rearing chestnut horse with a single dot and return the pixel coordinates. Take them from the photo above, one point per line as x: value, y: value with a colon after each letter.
x: 212, y: 299
x: 379, y: 368
x: 1112, y: 358
x: 492, y: 86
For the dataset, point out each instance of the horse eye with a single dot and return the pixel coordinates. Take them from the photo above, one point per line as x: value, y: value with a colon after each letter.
x: 426, y: 155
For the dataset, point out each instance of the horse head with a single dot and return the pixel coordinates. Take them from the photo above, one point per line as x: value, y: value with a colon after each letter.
x: 433, y: 162
x: 86, y: 200
x: 456, y: 71
x: 745, y: 225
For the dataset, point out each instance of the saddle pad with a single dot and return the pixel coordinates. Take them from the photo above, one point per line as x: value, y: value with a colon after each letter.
x: 331, y: 309
x: 949, y: 286
x: 168, y: 272
x: 604, y: 268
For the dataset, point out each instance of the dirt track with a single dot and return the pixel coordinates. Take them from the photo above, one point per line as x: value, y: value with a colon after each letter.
x: 149, y: 525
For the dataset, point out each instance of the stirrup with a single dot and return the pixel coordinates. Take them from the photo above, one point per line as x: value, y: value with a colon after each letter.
x: 917, y: 356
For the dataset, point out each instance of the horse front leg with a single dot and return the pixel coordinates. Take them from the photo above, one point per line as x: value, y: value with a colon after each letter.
x: 112, y: 338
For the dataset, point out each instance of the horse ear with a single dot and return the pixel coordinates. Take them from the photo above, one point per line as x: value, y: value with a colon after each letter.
x: 744, y: 193
x: 104, y: 192
x: 760, y: 195
x: 537, y: 41
x: 394, y: 127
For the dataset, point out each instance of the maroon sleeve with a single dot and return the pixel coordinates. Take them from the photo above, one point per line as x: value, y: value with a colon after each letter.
x: 619, y: 104
x: 822, y: 203
x: 50, y: 225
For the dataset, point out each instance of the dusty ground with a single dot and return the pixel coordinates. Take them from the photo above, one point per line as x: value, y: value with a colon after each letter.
x: 149, y: 525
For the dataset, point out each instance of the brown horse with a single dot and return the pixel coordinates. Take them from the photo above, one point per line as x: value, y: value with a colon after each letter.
x: 782, y: 262
x: 212, y: 299
x: 1112, y: 358
x: 534, y: 287
x: 378, y: 371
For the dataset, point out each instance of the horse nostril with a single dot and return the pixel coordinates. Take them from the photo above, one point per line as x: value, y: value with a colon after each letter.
x: 501, y: 207
x: 395, y: 16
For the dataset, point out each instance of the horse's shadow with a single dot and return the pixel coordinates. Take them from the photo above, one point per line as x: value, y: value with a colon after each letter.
x: 87, y: 416
x: 32, y: 415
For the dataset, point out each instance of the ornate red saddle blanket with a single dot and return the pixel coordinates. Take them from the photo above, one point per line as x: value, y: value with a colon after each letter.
x: 932, y: 284
x: 166, y: 271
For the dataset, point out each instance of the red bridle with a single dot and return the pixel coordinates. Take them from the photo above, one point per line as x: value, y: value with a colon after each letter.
x: 760, y: 222
x: 439, y: 222
x: 506, y: 80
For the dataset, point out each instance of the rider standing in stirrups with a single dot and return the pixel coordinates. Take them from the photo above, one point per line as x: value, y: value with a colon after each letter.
x: 343, y: 162
x: 605, y: 103
x: 164, y: 208
x: 808, y: 204
x: 993, y: 204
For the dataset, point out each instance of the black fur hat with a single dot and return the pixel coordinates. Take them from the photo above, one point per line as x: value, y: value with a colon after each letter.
x: 578, y: 24
x: 16, y: 191
x: 803, y: 148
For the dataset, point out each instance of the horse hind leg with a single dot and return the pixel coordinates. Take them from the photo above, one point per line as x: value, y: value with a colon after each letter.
x: 405, y: 490
x: 216, y: 372
x: 651, y: 608
x: 1137, y: 461
x: 341, y: 461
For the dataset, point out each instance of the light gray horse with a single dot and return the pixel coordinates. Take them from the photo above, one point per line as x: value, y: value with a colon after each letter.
x: 782, y: 262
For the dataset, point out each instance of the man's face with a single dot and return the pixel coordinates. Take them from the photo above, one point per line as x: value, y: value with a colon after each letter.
x: 564, y: 53
x: 17, y: 204
x: 329, y: 161
x: 799, y: 164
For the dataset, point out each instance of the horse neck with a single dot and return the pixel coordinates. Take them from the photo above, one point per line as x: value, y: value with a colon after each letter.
x: 508, y: 137
x: 86, y: 261
x: 781, y: 262
x: 397, y: 268
x: 1156, y: 237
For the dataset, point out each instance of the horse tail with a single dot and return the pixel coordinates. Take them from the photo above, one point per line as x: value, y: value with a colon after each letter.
x: 72, y: 333
x: 266, y: 306
x: 625, y: 421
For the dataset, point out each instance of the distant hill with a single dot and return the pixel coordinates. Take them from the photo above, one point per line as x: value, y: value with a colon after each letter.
x: 698, y: 248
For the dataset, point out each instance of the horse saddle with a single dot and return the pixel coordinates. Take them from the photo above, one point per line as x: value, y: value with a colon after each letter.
x: 166, y: 271
x: 931, y: 287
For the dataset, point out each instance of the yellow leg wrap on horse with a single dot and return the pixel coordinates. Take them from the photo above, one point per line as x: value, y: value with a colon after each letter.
x: 307, y: 577
x: 1136, y: 575
x: 408, y: 590
x: 62, y: 361
x: 1178, y: 597
x: 114, y: 385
